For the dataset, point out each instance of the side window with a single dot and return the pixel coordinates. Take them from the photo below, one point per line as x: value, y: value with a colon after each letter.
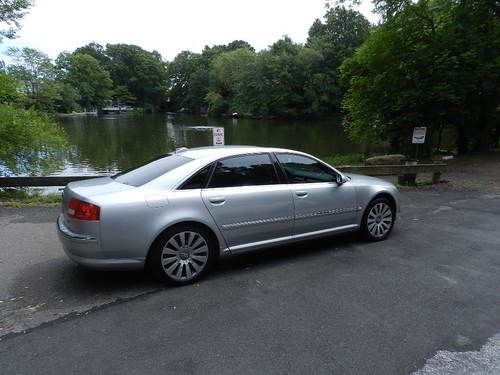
x: 198, y: 180
x: 244, y: 170
x: 301, y: 169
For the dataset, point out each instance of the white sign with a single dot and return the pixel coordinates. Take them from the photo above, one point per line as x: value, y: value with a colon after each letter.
x: 218, y: 134
x: 419, y: 134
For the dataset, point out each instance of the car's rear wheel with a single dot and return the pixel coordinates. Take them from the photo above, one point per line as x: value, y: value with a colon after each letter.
x: 182, y: 254
x: 378, y: 219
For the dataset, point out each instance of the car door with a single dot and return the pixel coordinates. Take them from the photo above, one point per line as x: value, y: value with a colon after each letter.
x: 320, y: 202
x: 248, y: 201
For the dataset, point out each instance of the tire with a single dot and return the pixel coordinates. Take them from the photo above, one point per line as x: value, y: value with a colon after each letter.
x: 378, y: 220
x: 182, y: 254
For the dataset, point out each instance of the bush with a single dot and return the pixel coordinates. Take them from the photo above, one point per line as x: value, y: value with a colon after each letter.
x: 350, y: 159
x: 29, y: 141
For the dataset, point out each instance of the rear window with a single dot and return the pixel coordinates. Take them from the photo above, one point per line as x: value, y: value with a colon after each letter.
x: 151, y: 170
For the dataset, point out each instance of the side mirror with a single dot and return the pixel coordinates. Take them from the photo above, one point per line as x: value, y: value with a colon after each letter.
x: 339, y: 179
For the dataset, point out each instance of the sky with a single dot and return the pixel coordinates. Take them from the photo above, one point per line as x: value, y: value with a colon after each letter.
x: 168, y: 26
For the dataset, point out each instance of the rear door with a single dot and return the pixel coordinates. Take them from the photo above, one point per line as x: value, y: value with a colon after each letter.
x: 248, y: 201
x: 320, y: 203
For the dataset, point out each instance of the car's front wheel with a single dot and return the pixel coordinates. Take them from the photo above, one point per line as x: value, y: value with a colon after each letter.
x: 182, y: 254
x: 378, y: 219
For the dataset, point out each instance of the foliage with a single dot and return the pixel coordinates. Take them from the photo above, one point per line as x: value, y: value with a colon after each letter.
x: 433, y: 63
x: 29, y: 141
x: 348, y: 159
x: 11, y: 12
x: 89, y: 79
x: 36, y: 74
x: 142, y: 73
x: 9, y: 92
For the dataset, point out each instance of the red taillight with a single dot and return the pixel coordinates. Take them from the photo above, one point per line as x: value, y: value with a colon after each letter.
x: 81, y: 210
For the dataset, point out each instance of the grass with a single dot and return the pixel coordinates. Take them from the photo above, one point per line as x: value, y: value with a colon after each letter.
x: 23, y: 198
x: 349, y: 159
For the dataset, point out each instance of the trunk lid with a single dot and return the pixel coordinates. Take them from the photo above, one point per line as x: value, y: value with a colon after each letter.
x: 87, y: 190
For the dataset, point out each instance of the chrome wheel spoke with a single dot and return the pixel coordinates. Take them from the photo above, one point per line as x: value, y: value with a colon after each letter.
x: 196, y: 266
x: 199, y: 258
x: 189, y: 274
x: 178, y: 275
x: 173, y: 244
x: 197, y: 242
x: 169, y: 251
x: 171, y: 269
x: 167, y: 261
x: 201, y: 250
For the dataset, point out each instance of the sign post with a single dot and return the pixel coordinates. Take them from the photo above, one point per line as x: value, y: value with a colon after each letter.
x: 418, y: 137
x: 218, y: 135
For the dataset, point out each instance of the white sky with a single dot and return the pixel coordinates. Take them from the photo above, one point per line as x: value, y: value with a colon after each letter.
x: 169, y: 26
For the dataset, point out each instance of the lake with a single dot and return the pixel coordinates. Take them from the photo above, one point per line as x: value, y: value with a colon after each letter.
x: 110, y: 143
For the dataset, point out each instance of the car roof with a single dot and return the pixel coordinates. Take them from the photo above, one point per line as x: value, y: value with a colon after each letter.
x: 216, y: 152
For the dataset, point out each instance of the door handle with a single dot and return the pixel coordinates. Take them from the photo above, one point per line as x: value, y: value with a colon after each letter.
x: 217, y: 200
x: 301, y: 193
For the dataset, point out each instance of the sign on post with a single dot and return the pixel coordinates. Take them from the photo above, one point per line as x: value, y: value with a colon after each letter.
x: 419, y: 135
x: 218, y: 134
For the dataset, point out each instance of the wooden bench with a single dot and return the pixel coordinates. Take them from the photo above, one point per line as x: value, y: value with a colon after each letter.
x: 407, y: 174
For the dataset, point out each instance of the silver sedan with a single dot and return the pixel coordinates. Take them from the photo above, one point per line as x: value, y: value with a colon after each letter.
x: 177, y: 214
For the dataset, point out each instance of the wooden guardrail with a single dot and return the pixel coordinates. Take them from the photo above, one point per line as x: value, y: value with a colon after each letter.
x: 41, y: 181
x: 406, y: 173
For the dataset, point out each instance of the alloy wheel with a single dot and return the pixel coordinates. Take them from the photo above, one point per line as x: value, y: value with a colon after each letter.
x: 379, y: 220
x: 184, y: 255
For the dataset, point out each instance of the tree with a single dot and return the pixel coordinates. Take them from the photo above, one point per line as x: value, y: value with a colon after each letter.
x: 122, y: 96
x: 29, y: 141
x: 336, y: 38
x: 9, y: 92
x: 142, y: 73
x: 188, y: 81
x: 189, y: 76
x: 11, y: 12
x: 35, y: 72
x: 432, y: 63
x: 97, y: 51
x: 90, y: 80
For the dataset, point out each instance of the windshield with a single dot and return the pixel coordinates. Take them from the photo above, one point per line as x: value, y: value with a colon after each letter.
x: 151, y: 170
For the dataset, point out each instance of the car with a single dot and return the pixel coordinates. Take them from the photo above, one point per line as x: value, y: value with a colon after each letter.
x: 178, y: 214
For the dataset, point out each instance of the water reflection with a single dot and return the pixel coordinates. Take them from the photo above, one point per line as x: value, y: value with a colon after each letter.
x: 106, y: 144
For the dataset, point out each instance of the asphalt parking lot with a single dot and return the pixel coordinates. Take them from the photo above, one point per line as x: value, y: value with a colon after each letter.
x: 339, y: 305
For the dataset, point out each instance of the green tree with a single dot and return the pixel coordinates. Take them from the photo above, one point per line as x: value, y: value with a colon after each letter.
x: 97, y: 51
x: 188, y: 78
x: 90, y: 80
x: 11, y: 12
x: 36, y: 73
x: 9, y: 92
x: 432, y: 63
x: 29, y: 141
x: 336, y: 38
x: 121, y: 95
x: 141, y: 72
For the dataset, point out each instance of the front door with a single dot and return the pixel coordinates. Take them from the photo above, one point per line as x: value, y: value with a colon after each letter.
x: 248, y: 202
x: 320, y: 203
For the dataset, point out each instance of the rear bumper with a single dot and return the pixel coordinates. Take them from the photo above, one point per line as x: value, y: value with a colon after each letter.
x: 85, y: 250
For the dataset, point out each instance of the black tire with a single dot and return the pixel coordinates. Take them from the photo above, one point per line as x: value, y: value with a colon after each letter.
x: 366, y: 226
x: 156, y: 258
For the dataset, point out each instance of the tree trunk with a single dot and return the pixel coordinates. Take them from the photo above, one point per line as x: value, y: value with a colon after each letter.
x: 440, y: 137
x: 461, y: 139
